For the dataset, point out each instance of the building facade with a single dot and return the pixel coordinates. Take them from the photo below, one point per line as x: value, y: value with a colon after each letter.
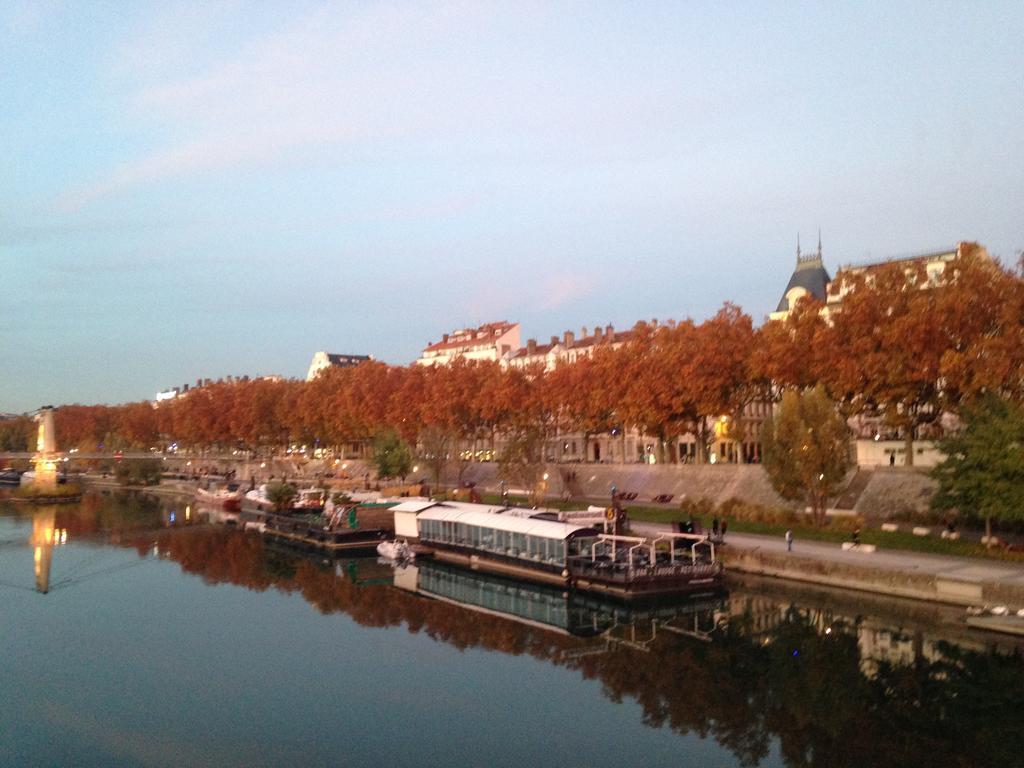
x: 491, y: 341
x: 564, y: 349
x: 323, y: 360
x: 810, y: 278
x: 877, y: 444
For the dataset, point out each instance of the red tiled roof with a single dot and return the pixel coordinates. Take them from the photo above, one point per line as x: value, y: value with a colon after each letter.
x: 586, y: 341
x: 614, y: 338
x: 481, y: 336
x: 541, y: 349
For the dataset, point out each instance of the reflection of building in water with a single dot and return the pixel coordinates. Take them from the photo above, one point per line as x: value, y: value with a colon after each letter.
x: 880, y: 645
x: 45, y: 536
x: 759, y: 616
x: 557, y: 610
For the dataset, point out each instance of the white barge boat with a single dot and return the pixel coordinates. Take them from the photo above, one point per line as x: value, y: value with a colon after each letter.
x: 575, y: 555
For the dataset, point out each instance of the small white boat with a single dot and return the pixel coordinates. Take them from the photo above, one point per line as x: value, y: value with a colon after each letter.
x: 306, y: 499
x: 259, y: 497
x: 223, y: 498
x: 310, y: 499
x: 397, y: 550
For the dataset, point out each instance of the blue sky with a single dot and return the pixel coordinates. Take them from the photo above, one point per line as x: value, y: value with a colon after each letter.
x: 224, y: 188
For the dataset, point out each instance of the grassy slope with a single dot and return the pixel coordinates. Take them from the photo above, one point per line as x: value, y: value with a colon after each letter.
x: 900, y: 540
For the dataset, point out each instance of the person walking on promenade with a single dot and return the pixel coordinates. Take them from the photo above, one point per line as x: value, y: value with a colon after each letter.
x: 714, y: 527
x: 789, y: 540
x: 856, y: 537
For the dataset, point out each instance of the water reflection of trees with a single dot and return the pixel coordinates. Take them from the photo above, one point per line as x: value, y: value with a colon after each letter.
x: 788, y: 681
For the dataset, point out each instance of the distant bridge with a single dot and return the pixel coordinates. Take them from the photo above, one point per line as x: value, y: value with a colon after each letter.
x: 125, y: 456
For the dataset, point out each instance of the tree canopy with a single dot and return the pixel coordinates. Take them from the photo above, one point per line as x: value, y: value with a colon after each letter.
x: 901, y: 347
x: 983, y: 473
x: 392, y: 456
x: 807, y: 449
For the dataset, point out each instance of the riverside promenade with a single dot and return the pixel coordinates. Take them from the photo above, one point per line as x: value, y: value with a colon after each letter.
x: 938, y: 578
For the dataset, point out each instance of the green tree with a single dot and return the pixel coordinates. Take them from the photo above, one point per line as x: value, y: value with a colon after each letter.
x: 391, y: 455
x: 807, y: 449
x: 281, y: 495
x: 983, y: 472
x: 139, y: 472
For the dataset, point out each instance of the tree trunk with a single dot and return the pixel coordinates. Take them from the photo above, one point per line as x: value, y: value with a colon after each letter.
x: 623, y: 445
x: 908, y: 446
x: 988, y: 530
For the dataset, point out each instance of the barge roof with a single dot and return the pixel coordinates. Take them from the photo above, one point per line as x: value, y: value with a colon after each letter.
x: 548, y: 529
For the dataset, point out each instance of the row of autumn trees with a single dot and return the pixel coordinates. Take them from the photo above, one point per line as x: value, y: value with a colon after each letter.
x: 892, y: 351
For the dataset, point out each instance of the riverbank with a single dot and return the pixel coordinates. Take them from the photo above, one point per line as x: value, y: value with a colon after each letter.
x: 934, y: 578
x: 183, y: 489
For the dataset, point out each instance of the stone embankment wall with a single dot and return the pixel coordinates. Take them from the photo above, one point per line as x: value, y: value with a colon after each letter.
x: 882, y: 581
x: 876, y: 494
x: 898, y: 493
x: 686, y: 481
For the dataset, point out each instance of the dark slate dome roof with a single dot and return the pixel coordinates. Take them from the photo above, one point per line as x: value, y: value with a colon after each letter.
x: 811, y: 275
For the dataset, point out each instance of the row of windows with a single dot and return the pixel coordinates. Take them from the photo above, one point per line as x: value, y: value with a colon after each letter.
x: 518, y: 601
x: 536, y: 548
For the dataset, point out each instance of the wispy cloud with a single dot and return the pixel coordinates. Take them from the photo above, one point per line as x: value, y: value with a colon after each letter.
x: 326, y: 79
x: 561, y: 289
x: 21, y: 234
x: 487, y: 296
x: 380, y: 74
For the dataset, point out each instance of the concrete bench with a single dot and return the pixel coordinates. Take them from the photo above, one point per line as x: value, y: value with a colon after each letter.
x: 890, y: 527
x: 849, y: 546
x: 920, y: 530
x: 951, y: 535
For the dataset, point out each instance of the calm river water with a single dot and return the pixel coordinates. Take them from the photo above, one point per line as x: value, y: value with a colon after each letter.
x: 135, y: 632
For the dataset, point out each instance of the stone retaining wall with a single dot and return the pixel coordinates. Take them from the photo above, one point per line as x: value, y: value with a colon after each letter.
x: 881, y: 581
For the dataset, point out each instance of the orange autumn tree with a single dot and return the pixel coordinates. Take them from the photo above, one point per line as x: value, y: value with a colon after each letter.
x: 885, y: 349
x: 683, y: 377
x: 660, y: 397
x: 719, y: 373
x: 87, y: 427
x: 137, y: 424
x: 588, y: 393
x: 256, y: 413
x: 790, y: 352
x: 981, y: 307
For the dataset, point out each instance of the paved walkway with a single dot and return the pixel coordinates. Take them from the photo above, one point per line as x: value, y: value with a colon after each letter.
x: 946, y: 566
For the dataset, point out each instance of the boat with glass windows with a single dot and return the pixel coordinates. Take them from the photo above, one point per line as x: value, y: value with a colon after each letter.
x: 555, y: 609
x: 575, y: 554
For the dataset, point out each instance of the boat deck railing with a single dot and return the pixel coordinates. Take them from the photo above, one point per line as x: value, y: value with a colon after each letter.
x: 607, y: 569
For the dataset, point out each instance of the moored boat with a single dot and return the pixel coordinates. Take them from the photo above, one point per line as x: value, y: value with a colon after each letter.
x: 10, y: 477
x: 573, y: 555
x: 396, y: 550
x: 223, y: 498
x: 306, y: 499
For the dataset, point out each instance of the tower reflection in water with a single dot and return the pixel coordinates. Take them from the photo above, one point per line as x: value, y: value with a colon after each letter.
x: 45, y: 536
